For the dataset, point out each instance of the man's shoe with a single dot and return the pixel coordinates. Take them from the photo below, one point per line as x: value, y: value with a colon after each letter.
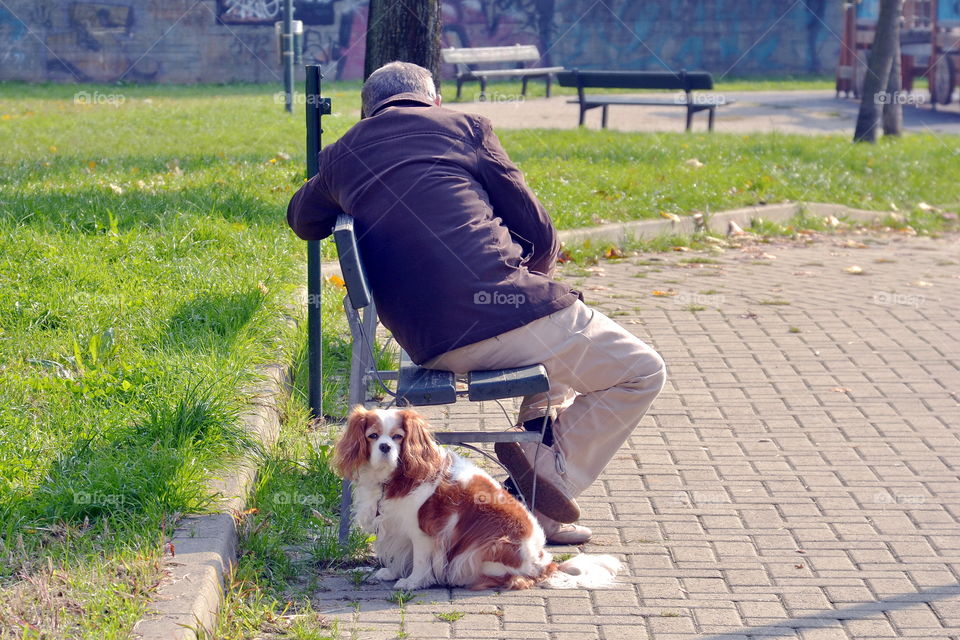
x: 572, y: 534
x: 550, y: 500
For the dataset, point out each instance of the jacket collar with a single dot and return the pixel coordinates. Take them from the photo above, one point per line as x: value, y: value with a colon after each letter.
x: 400, y: 97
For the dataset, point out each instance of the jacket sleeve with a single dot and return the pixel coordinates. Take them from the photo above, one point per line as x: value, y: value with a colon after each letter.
x: 515, y: 203
x: 312, y: 211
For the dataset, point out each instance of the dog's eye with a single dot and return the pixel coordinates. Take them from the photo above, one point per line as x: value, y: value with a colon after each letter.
x: 398, y: 437
x: 372, y: 436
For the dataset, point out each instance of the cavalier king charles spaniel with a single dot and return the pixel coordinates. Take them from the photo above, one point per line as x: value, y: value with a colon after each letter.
x: 439, y: 519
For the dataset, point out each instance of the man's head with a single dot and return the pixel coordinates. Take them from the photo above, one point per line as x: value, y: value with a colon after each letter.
x: 397, y: 77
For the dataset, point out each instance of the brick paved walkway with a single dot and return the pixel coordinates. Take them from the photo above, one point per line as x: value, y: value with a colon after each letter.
x: 798, y: 477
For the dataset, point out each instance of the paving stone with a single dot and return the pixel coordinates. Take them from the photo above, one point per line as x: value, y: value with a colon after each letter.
x: 834, y: 449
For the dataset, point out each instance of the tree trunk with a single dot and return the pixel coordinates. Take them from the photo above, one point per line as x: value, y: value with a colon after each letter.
x: 878, y: 71
x: 404, y: 30
x: 893, y: 108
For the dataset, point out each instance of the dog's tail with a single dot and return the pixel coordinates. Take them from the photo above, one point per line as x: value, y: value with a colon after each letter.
x: 584, y: 571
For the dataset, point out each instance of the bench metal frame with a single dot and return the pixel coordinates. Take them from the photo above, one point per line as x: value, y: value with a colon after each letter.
x: 688, y: 82
x: 465, y: 59
x: 417, y: 386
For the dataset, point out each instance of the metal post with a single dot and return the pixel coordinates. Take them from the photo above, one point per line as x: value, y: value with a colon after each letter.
x: 314, y: 324
x: 287, y: 51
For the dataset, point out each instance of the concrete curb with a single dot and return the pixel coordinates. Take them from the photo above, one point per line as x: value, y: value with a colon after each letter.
x: 205, y: 546
x: 717, y: 222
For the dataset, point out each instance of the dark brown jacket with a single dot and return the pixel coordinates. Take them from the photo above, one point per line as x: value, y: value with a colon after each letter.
x: 455, y: 245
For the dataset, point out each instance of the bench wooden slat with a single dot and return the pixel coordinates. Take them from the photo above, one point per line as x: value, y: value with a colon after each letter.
x: 515, y: 72
x: 421, y: 387
x: 684, y: 81
x: 478, y: 55
x: 507, y: 383
x: 349, y: 256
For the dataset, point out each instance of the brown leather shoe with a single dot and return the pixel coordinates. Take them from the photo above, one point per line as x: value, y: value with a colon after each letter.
x: 550, y: 500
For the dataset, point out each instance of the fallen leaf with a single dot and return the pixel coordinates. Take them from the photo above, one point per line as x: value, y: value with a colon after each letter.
x: 854, y: 270
x: 680, y: 248
x: 839, y: 390
x: 613, y: 252
x: 853, y: 244
x: 670, y: 216
x: 832, y: 221
x: 336, y: 281
x: 923, y: 206
x: 733, y: 229
x: 798, y: 566
x: 171, y: 548
x: 664, y: 294
x: 693, y: 162
x: 922, y: 284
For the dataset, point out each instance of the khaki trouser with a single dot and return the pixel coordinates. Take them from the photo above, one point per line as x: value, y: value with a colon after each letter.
x: 602, y: 380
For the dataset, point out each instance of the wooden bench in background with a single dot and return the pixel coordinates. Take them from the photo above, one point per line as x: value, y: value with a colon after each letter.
x: 688, y: 82
x: 466, y: 60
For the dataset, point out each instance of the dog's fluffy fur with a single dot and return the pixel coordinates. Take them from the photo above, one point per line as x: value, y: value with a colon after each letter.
x: 439, y: 519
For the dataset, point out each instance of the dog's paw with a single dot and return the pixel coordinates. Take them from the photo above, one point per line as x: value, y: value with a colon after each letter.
x: 384, y: 575
x: 408, y: 584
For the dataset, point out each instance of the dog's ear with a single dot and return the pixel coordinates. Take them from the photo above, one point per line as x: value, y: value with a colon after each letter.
x: 351, y: 451
x: 419, y: 456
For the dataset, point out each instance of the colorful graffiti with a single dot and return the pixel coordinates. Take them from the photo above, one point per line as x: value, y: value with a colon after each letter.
x: 229, y: 40
x: 12, y: 31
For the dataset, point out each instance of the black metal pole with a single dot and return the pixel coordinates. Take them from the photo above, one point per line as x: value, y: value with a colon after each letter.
x: 314, y: 323
x: 287, y: 50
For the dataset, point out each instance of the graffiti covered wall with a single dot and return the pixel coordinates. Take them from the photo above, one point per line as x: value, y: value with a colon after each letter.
x: 187, y: 41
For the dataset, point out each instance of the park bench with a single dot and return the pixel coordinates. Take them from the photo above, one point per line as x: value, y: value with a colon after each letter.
x: 688, y: 82
x: 466, y: 60
x: 415, y: 385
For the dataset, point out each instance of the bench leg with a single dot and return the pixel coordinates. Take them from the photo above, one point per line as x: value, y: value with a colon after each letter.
x: 523, y: 91
x: 549, y: 82
x: 459, y: 87
x: 346, y: 497
x: 712, y: 110
x: 603, y: 121
x: 689, y: 118
x: 583, y: 115
x: 483, y: 89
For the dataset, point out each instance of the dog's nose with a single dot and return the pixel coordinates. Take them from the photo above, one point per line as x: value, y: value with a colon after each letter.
x: 384, y: 447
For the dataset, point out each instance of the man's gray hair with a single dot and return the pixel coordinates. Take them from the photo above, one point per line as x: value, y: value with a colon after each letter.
x: 393, y: 78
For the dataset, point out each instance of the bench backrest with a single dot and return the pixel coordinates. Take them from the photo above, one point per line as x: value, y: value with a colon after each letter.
x: 350, y: 266
x: 682, y: 80
x: 491, y: 55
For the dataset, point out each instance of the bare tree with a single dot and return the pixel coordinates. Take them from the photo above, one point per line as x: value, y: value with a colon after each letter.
x: 404, y: 30
x: 879, y: 65
x: 893, y: 107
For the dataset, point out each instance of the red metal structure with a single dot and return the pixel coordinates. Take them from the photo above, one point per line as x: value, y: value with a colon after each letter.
x: 929, y: 44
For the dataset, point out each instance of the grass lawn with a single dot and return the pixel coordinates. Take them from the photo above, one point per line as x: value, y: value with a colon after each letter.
x: 146, y: 264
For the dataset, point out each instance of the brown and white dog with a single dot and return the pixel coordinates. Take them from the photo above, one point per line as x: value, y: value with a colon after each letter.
x: 439, y: 519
